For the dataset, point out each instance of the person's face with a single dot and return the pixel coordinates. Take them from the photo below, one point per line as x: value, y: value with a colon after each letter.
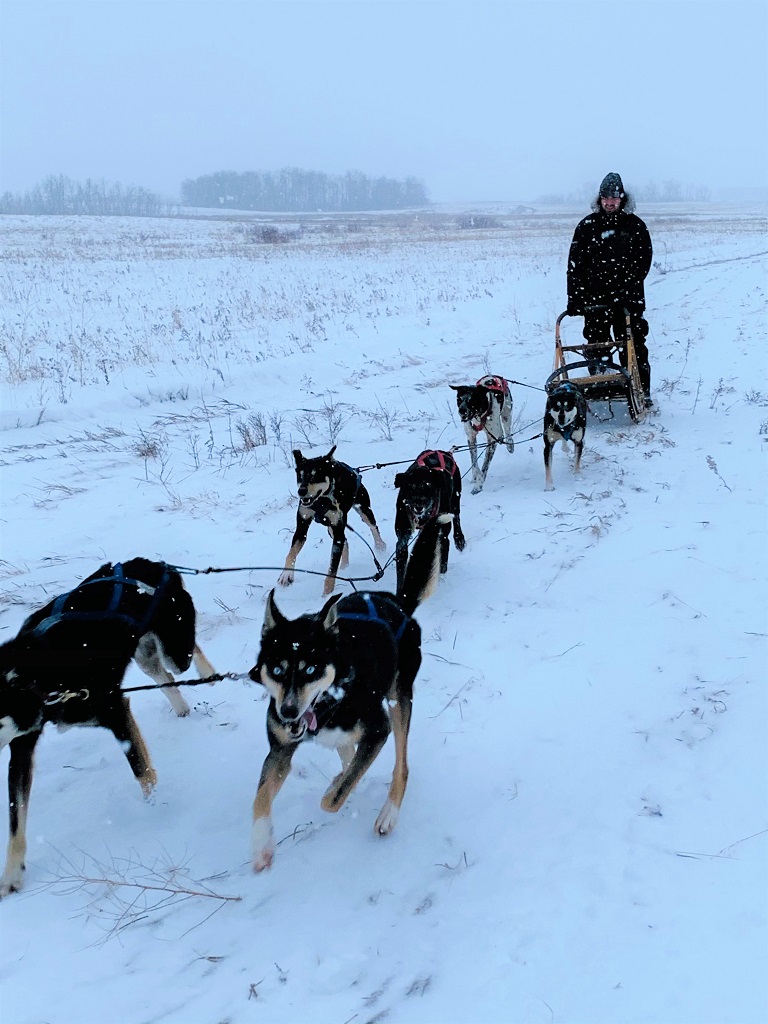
x: 610, y: 203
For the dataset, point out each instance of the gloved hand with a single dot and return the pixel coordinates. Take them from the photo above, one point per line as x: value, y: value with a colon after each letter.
x: 573, y: 308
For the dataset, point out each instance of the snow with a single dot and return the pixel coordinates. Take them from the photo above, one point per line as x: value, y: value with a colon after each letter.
x: 584, y: 834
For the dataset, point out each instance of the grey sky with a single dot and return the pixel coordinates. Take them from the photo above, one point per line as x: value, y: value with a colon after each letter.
x: 483, y: 101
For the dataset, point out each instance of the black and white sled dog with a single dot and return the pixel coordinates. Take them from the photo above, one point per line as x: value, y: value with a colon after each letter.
x: 344, y: 677
x: 485, y: 407
x: 565, y: 419
x: 66, y: 666
x: 429, y: 487
x: 328, y: 489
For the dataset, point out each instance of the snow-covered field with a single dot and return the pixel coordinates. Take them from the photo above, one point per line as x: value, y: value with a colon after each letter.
x: 584, y: 836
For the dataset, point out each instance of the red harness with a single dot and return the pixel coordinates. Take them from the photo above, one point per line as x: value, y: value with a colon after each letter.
x: 445, y: 461
x: 497, y: 384
x: 494, y: 384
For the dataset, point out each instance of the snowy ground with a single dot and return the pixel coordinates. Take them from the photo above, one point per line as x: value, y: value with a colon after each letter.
x: 584, y: 836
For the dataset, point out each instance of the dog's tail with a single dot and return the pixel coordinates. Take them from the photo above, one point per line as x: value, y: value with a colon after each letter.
x: 423, y: 570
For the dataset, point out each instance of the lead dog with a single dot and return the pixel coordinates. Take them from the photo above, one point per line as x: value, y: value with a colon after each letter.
x: 565, y: 419
x: 328, y: 489
x: 344, y: 677
x: 66, y: 666
x: 485, y: 407
x: 429, y: 487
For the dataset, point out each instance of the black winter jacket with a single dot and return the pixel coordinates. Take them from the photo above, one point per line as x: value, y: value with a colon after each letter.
x: 609, y: 259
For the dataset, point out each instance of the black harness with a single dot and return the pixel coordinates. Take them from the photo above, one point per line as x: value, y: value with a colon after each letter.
x: 371, y: 614
x: 112, y: 610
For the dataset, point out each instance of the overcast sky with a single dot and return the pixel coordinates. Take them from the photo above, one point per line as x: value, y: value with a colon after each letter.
x: 482, y: 101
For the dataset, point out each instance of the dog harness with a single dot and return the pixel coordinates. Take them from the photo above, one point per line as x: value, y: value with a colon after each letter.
x: 445, y: 461
x: 372, y: 615
x: 112, y: 611
x: 330, y: 495
x: 566, y: 386
x: 494, y: 384
x: 497, y: 384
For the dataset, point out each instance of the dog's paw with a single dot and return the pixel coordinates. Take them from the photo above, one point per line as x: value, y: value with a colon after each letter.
x: 476, y: 490
x: 460, y: 541
x: 328, y: 587
x: 549, y: 487
x: 332, y: 799
x: 148, y: 781
x: 286, y: 578
x: 11, y: 881
x: 380, y: 544
x: 262, y: 844
x: 387, y: 819
x: 510, y: 447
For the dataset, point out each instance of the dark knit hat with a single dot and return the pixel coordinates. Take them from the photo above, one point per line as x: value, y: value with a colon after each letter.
x: 611, y: 187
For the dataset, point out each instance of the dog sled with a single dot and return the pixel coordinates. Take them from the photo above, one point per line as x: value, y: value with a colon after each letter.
x: 603, y: 373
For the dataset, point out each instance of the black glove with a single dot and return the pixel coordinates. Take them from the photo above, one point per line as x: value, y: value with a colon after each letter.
x: 573, y: 309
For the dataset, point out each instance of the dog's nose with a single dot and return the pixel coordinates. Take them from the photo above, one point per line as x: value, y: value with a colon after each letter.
x: 289, y: 711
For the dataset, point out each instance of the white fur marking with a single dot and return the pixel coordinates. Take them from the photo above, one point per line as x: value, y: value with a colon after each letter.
x: 262, y: 843
x: 8, y: 731
x: 387, y: 819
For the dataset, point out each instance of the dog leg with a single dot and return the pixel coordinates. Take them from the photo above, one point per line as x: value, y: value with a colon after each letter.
x: 445, y: 532
x: 299, y: 539
x: 20, y: 772
x: 548, y: 484
x: 506, y: 420
x: 363, y: 508
x: 337, y: 549
x: 344, y: 555
x: 400, y: 716
x: 490, y: 451
x: 458, y: 535
x: 147, y: 657
x: 578, y: 444
x: 401, y: 558
x: 127, y: 734
x: 274, y: 772
x: 472, y: 445
x: 366, y: 753
x: 202, y: 665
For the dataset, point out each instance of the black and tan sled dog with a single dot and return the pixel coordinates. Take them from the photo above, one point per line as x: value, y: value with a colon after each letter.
x: 66, y: 666
x: 430, y: 486
x: 485, y: 407
x: 565, y: 419
x: 344, y: 677
x: 328, y: 489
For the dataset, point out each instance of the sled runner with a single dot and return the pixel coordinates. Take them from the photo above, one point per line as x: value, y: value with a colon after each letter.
x: 603, y: 373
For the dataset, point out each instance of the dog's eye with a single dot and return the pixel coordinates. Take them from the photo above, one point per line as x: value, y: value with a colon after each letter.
x: 310, y: 670
x: 277, y: 671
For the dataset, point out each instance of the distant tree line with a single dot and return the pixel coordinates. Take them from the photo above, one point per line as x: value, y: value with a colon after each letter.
x: 59, y: 194
x: 291, y: 190
x: 667, y: 192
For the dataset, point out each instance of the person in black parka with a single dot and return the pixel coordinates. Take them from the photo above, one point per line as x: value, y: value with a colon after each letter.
x: 609, y: 259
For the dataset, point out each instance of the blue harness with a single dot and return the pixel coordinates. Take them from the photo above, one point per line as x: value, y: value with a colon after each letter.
x: 372, y: 615
x: 112, y: 611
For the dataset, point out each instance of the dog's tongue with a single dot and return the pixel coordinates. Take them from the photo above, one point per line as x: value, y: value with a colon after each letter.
x: 311, y: 719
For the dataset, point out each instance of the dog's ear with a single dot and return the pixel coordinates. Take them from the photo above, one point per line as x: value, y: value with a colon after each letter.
x: 328, y: 614
x: 399, y: 479
x: 273, y: 617
x: 455, y: 387
x: 298, y: 458
x: 329, y: 456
